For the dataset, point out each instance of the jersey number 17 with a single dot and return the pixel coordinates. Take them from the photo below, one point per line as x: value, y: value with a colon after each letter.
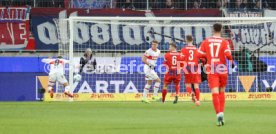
x: 214, y: 52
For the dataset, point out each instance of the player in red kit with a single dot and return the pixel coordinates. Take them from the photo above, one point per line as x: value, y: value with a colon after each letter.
x: 173, y: 71
x: 192, y: 69
x: 216, y: 50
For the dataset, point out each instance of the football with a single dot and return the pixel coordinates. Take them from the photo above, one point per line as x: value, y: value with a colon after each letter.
x: 77, y: 77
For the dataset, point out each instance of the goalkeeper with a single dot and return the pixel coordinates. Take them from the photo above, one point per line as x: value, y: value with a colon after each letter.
x: 87, y: 62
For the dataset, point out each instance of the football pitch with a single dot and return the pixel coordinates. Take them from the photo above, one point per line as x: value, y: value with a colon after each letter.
x: 242, y: 117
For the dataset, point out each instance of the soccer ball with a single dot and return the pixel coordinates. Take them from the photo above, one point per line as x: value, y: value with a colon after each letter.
x: 77, y: 77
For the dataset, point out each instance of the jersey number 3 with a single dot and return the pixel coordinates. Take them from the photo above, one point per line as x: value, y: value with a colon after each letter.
x: 191, y: 56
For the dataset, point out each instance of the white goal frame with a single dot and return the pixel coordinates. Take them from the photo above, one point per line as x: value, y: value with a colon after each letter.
x: 87, y: 19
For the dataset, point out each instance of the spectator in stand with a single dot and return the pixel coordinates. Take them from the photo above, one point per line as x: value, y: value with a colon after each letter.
x: 125, y: 4
x: 257, y: 5
x: 169, y: 4
x: 161, y: 3
x: 272, y: 4
x: 137, y: 4
x: 261, y: 4
x: 16, y: 2
x: 180, y: 4
x: 247, y: 4
x: 50, y: 3
x: 222, y: 4
x: 196, y: 4
x: 239, y: 4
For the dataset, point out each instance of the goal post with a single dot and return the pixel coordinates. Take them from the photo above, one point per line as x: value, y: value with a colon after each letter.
x: 119, y: 42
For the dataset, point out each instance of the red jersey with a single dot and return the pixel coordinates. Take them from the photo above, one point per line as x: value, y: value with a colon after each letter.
x: 215, y: 49
x: 190, y: 54
x: 172, y: 60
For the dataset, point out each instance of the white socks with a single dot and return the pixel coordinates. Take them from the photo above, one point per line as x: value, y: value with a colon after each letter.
x: 220, y: 114
x: 156, y: 88
x: 49, y: 89
x: 67, y: 89
x: 146, y: 91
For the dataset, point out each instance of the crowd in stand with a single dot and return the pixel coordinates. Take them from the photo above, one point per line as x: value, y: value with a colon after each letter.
x: 196, y: 4
x: 153, y: 4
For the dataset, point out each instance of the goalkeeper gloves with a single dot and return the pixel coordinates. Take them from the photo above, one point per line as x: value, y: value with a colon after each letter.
x: 233, y: 65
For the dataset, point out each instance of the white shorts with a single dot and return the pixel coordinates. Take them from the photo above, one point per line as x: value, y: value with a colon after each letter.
x: 57, y: 77
x: 150, y: 74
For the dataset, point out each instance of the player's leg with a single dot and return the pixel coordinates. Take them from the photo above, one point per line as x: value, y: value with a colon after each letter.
x: 177, y: 89
x: 197, y: 93
x: 188, y: 88
x: 146, y: 90
x: 190, y: 92
x: 188, y: 83
x: 217, y: 106
x: 51, y: 84
x: 51, y: 88
x: 61, y: 79
x: 67, y: 90
x: 156, y: 86
x: 164, y: 92
x: 213, y: 81
x: 167, y: 81
x: 222, y: 102
x: 223, y: 83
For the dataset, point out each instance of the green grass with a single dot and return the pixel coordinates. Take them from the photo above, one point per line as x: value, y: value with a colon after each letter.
x: 242, y: 117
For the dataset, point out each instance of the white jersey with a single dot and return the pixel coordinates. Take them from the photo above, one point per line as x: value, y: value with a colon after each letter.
x: 56, y: 65
x: 152, y: 56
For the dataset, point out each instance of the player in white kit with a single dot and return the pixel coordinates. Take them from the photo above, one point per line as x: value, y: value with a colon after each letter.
x: 56, y: 74
x: 149, y: 59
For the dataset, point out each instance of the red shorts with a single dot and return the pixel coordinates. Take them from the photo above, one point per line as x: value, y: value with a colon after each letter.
x: 168, y: 79
x: 192, y: 78
x: 217, y: 80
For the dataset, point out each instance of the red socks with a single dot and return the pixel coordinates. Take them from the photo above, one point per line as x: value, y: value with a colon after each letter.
x: 177, y: 88
x: 164, y: 93
x: 216, y: 102
x: 197, y: 93
x: 222, y: 101
x: 189, y: 90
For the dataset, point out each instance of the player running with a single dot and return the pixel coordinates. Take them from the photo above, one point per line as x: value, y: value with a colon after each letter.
x: 173, y: 72
x: 216, y: 50
x: 149, y: 59
x: 192, y: 69
x: 57, y: 74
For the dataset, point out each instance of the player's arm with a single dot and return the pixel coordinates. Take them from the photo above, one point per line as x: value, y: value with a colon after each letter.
x: 182, y: 55
x: 65, y: 61
x: 94, y: 64
x: 46, y: 60
x: 165, y: 59
x: 228, y: 55
x: 202, y: 50
x: 82, y: 63
x: 144, y: 59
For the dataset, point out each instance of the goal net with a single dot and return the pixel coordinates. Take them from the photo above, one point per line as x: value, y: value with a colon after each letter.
x: 118, y: 43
